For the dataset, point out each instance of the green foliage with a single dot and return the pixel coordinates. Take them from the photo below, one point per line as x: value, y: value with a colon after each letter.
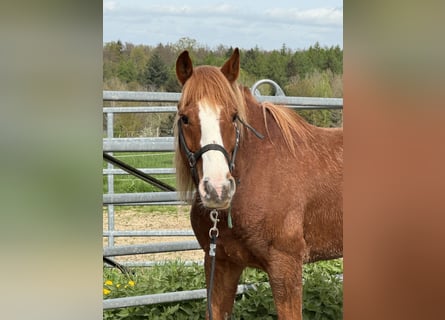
x: 174, y: 276
x: 156, y: 72
x: 139, y: 56
x: 299, y: 65
x: 155, y: 66
x: 323, y: 118
x: 276, y: 63
x: 313, y: 72
x: 318, y: 84
x: 326, y: 59
x: 126, y: 71
x: 254, y: 63
x: 185, y: 43
x: 322, y: 292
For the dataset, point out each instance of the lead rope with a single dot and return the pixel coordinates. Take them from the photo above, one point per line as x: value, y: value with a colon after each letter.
x: 213, y: 234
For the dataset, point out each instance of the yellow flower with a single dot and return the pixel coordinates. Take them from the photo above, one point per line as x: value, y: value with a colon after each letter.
x: 109, y: 283
x: 118, y: 285
x: 131, y: 283
x: 106, y: 291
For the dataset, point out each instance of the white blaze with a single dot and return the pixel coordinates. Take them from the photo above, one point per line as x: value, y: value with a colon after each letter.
x: 214, y: 163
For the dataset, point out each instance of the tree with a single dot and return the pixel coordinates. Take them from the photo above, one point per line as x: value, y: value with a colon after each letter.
x: 156, y: 72
x: 317, y: 55
x: 276, y: 63
x: 112, y: 57
x: 139, y: 57
x: 142, y: 66
x: 254, y: 63
x: 185, y: 43
x: 334, y: 60
x: 300, y: 65
x: 127, y: 71
x: 112, y: 51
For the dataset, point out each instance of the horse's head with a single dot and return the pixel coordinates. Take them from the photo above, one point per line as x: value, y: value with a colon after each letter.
x: 207, y: 127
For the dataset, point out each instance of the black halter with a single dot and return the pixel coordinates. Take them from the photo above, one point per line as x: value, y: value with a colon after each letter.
x: 193, y: 157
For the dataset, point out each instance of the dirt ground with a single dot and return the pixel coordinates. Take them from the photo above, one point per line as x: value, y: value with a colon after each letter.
x: 138, y: 218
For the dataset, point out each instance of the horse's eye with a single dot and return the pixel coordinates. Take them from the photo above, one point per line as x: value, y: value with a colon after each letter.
x: 235, y: 116
x: 184, y: 119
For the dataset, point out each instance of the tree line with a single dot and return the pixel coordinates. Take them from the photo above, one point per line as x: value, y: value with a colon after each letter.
x: 313, y: 72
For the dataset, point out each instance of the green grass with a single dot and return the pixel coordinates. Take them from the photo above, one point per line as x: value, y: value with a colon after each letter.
x: 322, y: 292
x: 128, y: 183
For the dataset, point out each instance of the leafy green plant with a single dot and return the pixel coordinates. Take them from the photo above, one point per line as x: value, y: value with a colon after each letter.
x: 322, y: 292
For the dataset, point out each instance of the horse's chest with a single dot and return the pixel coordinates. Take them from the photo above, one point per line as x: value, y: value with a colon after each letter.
x: 234, y: 251
x: 239, y: 251
x: 233, y: 245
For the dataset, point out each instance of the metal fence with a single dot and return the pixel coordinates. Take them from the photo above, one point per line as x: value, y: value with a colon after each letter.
x: 111, y: 199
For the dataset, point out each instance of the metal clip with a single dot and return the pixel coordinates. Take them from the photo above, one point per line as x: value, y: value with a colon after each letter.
x: 215, y: 220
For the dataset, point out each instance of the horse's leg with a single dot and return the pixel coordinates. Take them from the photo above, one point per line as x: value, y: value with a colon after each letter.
x: 285, y: 277
x: 225, y: 282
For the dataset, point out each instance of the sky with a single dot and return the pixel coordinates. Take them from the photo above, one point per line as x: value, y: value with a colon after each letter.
x: 245, y: 24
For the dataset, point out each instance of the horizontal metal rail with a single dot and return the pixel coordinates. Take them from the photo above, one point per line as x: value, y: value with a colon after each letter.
x: 295, y: 102
x: 138, y: 144
x: 140, y: 197
x: 140, y: 109
x: 151, y: 248
x: 141, y: 96
x: 160, y: 203
x: 144, y: 170
x: 129, y: 264
x: 304, y: 102
x: 149, y: 233
x: 165, y: 297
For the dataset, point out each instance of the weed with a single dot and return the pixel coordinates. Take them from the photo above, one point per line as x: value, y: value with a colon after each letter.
x: 322, y: 292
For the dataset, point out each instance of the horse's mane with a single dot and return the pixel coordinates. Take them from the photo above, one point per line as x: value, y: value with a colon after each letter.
x: 209, y: 83
x: 291, y: 125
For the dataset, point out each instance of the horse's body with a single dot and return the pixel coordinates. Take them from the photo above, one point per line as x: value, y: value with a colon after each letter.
x: 285, y: 191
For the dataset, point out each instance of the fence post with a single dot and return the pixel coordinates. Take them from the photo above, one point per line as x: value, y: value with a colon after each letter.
x: 110, y: 182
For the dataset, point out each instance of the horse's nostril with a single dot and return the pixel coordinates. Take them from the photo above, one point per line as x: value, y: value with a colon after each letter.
x: 223, y: 191
x: 232, y: 186
x: 207, y: 187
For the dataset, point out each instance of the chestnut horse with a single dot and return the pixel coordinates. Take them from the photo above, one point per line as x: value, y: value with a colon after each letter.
x: 278, y: 197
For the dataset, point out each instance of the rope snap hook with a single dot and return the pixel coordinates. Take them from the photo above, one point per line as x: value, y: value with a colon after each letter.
x: 214, y: 230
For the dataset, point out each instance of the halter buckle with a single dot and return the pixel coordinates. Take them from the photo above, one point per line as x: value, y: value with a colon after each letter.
x: 192, y: 160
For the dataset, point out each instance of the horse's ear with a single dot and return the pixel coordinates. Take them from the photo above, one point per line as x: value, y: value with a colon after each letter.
x: 231, y: 68
x: 184, y: 67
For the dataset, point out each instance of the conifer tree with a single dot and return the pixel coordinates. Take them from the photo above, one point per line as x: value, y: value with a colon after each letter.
x: 156, y: 72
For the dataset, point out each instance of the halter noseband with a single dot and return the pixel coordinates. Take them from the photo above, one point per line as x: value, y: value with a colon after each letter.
x: 193, y: 157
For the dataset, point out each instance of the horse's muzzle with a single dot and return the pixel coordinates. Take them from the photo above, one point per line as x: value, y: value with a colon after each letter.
x: 217, y: 194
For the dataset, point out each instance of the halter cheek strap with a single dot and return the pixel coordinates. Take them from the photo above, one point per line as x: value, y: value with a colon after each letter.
x: 193, y: 157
